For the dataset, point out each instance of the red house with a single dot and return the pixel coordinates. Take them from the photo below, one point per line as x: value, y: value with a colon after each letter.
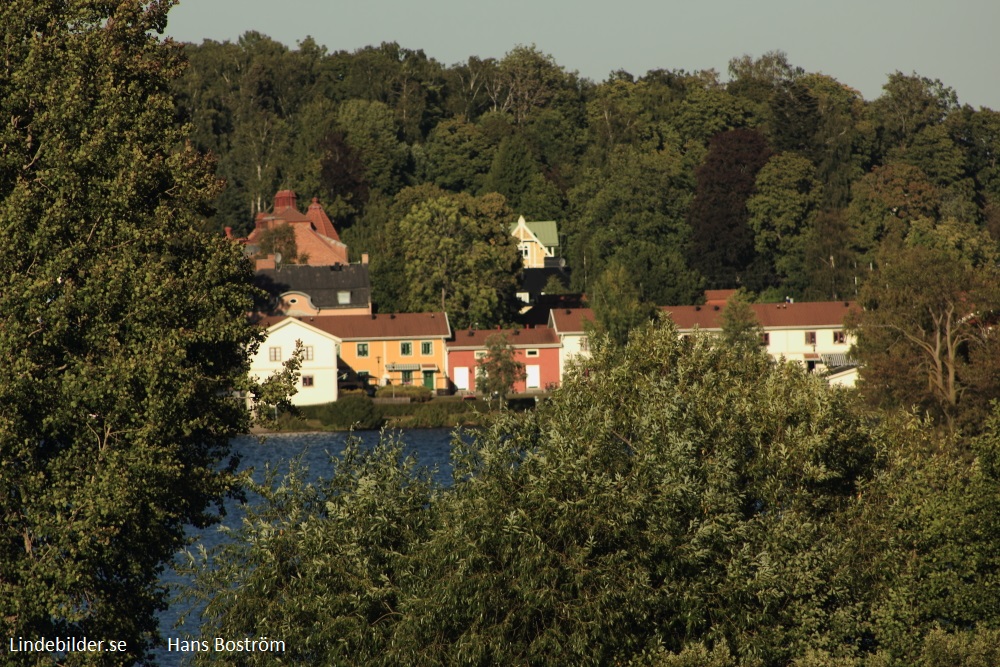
x: 537, y: 349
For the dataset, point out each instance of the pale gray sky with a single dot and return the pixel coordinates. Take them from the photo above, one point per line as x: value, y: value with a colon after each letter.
x: 859, y: 42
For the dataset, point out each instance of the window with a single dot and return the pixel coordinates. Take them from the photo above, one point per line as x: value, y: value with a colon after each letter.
x: 524, y: 251
x: 427, y: 348
x: 480, y: 354
x: 839, y: 338
x: 406, y: 349
x: 343, y: 298
x: 531, y: 353
x: 407, y: 377
x: 765, y: 339
x: 307, y: 380
x: 584, y: 344
x: 274, y: 354
x: 362, y: 349
x: 307, y: 353
x: 810, y: 338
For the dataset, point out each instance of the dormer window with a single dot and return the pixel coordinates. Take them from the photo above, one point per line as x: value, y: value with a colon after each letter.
x: 343, y: 297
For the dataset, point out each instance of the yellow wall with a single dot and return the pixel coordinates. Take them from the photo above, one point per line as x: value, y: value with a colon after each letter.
x: 536, y: 253
x: 384, y: 352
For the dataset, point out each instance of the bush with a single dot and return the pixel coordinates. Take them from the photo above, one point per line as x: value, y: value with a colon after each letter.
x: 416, y: 393
x: 352, y: 410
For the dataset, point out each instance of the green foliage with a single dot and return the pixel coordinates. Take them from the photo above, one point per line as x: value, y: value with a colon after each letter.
x: 786, y: 198
x: 280, y: 240
x: 924, y: 335
x: 618, y: 305
x: 416, y: 393
x: 498, y: 370
x: 740, y: 328
x: 676, y: 502
x: 123, y: 332
x: 461, y: 258
x: 351, y: 411
x: 322, y: 565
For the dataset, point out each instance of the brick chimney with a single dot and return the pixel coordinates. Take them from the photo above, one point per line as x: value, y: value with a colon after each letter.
x: 284, y: 199
x: 364, y: 258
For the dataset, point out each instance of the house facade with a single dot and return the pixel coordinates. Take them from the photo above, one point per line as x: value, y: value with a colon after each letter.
x: 810, y: 333
x: 570, y: 327
x: 538, y: 349
x: 391, y: 348
x: 316, y: 239
x: 318, y: 377
x: 537, y: 241
x: 296, y: 290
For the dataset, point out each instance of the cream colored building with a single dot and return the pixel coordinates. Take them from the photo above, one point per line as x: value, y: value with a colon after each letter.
x: 809, y: 333
x: 536, y: 241
x: 317, y: 382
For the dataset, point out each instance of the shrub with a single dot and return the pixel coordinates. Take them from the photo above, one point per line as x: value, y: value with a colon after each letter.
x: 352, y: 410
x: 416, y: 393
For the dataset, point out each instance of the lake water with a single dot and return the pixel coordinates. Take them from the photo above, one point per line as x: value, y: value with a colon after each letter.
x: 432, y: 448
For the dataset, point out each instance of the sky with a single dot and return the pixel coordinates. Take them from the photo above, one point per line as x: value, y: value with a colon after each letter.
x: 858, y: 42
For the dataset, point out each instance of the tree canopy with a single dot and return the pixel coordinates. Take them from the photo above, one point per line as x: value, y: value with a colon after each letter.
x: 676, y: 502
x: 123, y: 329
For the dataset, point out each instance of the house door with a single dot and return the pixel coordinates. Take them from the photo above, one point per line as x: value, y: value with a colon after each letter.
x: 534, y: 374
x: 429, y: 380
x: 462, y: 378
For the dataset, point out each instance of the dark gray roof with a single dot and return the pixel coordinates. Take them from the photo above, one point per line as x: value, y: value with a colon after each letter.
x: 321, y: 283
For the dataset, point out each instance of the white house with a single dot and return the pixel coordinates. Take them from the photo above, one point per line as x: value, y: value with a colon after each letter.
x: 570, y: 327
x: 810, y: 333
x: 318, y: 375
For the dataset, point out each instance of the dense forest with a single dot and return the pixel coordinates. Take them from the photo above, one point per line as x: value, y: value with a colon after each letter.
x: 778, y: 180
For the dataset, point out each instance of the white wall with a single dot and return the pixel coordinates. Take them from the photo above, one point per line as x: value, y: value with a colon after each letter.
x: 322, y: 368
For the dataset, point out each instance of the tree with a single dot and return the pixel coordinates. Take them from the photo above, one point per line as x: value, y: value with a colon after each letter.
x: 672, y: 496
x: 928, y: 310
x: 123, y: 330
x: 740, y: 328
x: 618, y: 304
x: 280, y: 239
x: 512, y: 170
x: 461, y: 258
x: 499, y: 369
x: 785, y: 199
x: 632, y: 212
x: 722, y: 247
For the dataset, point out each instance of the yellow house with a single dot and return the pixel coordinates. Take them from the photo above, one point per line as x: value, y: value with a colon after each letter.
x: 397, y: 348
x: 536, y: 241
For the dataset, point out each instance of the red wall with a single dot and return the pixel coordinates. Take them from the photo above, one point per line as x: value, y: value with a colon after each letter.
x: 547, y: 361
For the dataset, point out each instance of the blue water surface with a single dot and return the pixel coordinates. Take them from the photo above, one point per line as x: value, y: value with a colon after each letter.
x: 431, y: 447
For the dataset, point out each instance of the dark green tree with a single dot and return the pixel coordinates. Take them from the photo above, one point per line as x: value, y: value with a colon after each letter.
x: 722, y: 246
x: 928, y: 318
x: 122, y: 329
x: 512, y: 170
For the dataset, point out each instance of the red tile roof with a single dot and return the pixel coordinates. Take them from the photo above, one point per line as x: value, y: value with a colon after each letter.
x: 315, y: 236
x: 769, y: 315
x: 476, y: 338
x: 571, y: 320
x: 375, y: 327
